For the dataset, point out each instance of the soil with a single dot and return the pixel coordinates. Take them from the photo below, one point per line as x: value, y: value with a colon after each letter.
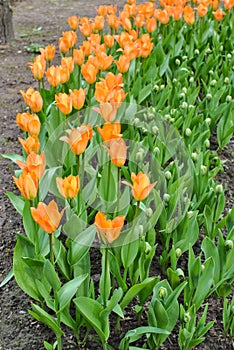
x: 42, y: 22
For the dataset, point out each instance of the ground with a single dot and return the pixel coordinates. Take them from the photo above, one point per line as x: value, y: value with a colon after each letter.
x: 42, y: 22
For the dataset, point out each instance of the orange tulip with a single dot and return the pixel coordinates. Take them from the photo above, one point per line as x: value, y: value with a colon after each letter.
x: 68, y: 62
x: 113, y: 22
x: 31, y: 144
x: 53, y: 75
x: 103, y: 61
x: 110, y: 131
x: 78, y: 138
x: 64, y: 103
x: 27, y: 184
x: 111, y: 10
x: 123, y: 63
x: 86, y: 48
x: 33, y: 99
x: 86, y: 29
x: 126, y: 23
x: 202, y: 10
x: 107, y: 110
x: 48, y: 216
x: 189, y: 15
x: 64, y: 74
x: 141, y: 187
x: 219, y: 14
x: 108, y: 230
x: 73, y: 22
x: 109, y: 40
x: 69, y: 186
x: 38, y: 67
x: 117, y: 151
x: 35, y: 164
x: 63, y: 45
x: 150, y: 24
x: 117, y: 96
x: 89, y: 72
x: 78, y: 56
x: 139, y: 20
x: 29, y: 123
x: 101, y: 10
x: 78, y: 98
x: 228, y: 4
x: 162, y: 16
x: 98, y: 23
x: 48, y: 52
x: 70, y: 38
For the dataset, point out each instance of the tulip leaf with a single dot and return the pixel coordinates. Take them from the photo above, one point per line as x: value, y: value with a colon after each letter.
x: 107, y: 185
x: 45, y: 182
x: 13, y: 157
x: 17, y: 202
x: 51, y: 276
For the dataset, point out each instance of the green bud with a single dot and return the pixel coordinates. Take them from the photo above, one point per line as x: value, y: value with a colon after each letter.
x: 185, y: 58
x: 173, y: 111
x: 184, y: 105
x: 226, y: 80
x: 148, y: 248
x: 213, y: 82
x: 178, y: 252
x: 207, y: 143
x: 139, y: 157
x: 188, y: 132
x: 167, y: 117
x: 187, y: 317
x: 203, y: 267
x: 184, y: 90
x: 229, y: 244
x: 228, y: 98
x: 182, y: 95
x: 219, y: 189
x: 156, y: 150
x: 168, y: 175
x: 229, y: 56
x: 162, y: 86
x: 196, y: 52
x: 208, y: 121
x: 190, y: 214
x: 194, y: 156
x: 156, y: 87
x: 204, y: 169
x: 211, y: 72
x: 149, y: 212
x: 177, y: 62
x: 191, y: 79
x: 209, y: 96
x: 136, y: 121
x: 166, y: 197
x: 140, y: 230
x: 174, y: 80
x: 162, y: 293
x: 155, y: 130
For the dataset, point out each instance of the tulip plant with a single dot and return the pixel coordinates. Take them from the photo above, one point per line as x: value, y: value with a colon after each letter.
x: 116, y: 156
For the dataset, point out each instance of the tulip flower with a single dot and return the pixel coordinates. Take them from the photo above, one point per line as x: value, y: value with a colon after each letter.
x: 70, y: 38
x: 108, y: 230
x: 69, y: 186
x: 110, y: 131
x: 150, y: 24
x: 78, y: 138
x: 48, y: 52
x: 123, y: 63
x: 29, y: 123
x: 68, y: 62
x: 98, y: 23
x: 78, y: 98
x: 109, y: 40
x: 107, y: 110
x: 78, y: 56
x: 219, y: 14
x: 89, y: 72
x: 35, y: 164
x: 31, y: 144
x: 103, y: 61
x: 38, y: 67
x: 33, y: 99
x: 73, y: 22
x: 53, y: 75
x: 48, y: 216
x: 141, y: 187
x: 64, y: 103
x: 202, y: 10
x: 27, y: 184
x: 189, y: 15
x: 117, y: 151
x: 64, y: 74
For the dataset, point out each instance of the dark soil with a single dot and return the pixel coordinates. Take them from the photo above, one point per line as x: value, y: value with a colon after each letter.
x: 42, y: 22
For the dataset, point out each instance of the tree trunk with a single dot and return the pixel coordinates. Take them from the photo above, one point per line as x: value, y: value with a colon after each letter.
x: 6, y: 26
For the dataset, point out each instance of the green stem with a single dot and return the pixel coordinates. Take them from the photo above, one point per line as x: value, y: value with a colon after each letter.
x: 130, y: 240
x: 51, y: 248
x: 39, y: 85
x: 118, y: 188
x: 78, y: 85
x: 82, y: 170
x: 105, y: 276
x: 108, y: 184
x: 59, y: 342
x: 78, y: 164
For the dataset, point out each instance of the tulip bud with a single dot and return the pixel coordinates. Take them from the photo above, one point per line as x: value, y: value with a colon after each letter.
x: 208, y: 50
x: 155, y: 130
x: 194, y: 156
x: 166, y: 197
x: 148, y: 248
x: 156, y: 150
x: 182, y: 95
x: 184, y: 90
x: 162, y: 86
x: 188, y: 132
x: 203, y: 267
x: 196, y: 52
x: 162, y: 293
x: 174, y: 80
x: 139, y: 157
x: 207, y: 143
x: 209, y: 96
x: 228, y: 98
x: 136, y: 121
x: 187, y: 317
x: 213, y: 82
x: 168, y: 175
x: 203, y: 169
x: 140, y: 230
x: 219, y: 189
x: 208, y: 121
x: 221, y: 48
x: 191, y: 79
x: 229, y: 244
x: 149, y: 212
x: 185, y: 58
x: 226, y: 80
x: 190, y: 214
x: 211, y: 72
x: 229, y: 56
x: 177, y: 62
x: 178, y: 252
x: 156, y: 87
x: 184, y: 105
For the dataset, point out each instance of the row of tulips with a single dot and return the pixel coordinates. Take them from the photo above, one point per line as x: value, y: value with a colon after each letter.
x: 86, y: 147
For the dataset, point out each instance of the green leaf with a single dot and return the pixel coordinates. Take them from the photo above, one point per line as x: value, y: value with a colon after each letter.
x: 41, y: 315
x: 45, y: 182
x: 129, y: 251
x: 17, y: 202
x: 68, y: 290
x: 160, y: 54
x: 137, y: 333
x: 90, y: 310
x: 204, y: 283
x: 117, y: 295
x: 29, y: 223
x: 51, y: 276
x: 60, y: 254
x: 13, y: 157
x: 211, y: 250
x: 9, y: 276
x: 144, y: 93
x: 107, y: 194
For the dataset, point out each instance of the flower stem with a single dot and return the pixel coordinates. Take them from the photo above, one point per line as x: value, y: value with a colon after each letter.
x: 108, y: 184
x: 51, y: 249
x: 118, y: 188
x: 106, y: 265
x: 78, y: 164
x: 131, y: 237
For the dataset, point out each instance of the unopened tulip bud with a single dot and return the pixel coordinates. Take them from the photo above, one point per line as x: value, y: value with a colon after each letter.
x: 166, y: 197
x: 196, y: 52
x: 156, y: 87
x: 139, y: 157
x: 191, y: 79
x: 177, y: 62
x: 140, y: 230
x: 174, y: 80
x: 187, y: 317
x: 184, y: 105
x: 209, y: 97
x: 229, y: 56
x: 148, y: 248
x: 219, y: 189
x: 213, y: 82
x: 185, y: 58
x: 168, y: 175
x: 167, y: 117
x: 162, y: 86
x: 149, y: 212
x: 211, y: 72
x: 221, y: 48
x: 156, y: 150
x: 226, y: 80
x: 190, y: 214
x: 229, y: 244
x: 228, y: 98
x: 155, y: 130
x: 203, y: 169
x: 178, y: 252
x: 208, y: 50
x: 208, y: 121
x: 136, y: 121
x: 184, y: 90
x: 182, y: 95
x: 188, y: 132
x: 194, y: 156
x: 207, y: 143
x: 162, y: 293
x: 203, y: 267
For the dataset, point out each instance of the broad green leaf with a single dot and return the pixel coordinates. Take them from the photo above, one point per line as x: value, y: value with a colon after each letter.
x: 204, y: 283
x: 45, y: 182
x: 52, y: 276
x: 9, y: 276
x: 17, y: 202
x: 41, y: 315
